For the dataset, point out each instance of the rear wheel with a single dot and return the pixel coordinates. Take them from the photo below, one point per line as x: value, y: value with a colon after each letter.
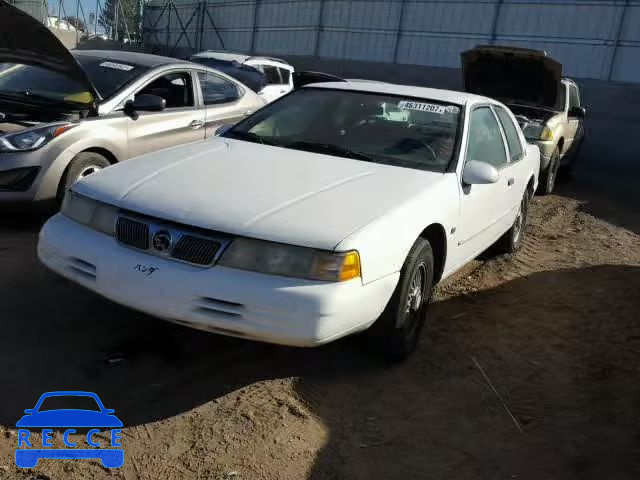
x: 511, y: 241
x: 548, y: 175
x: 82, y: 165
x: 397, y: 331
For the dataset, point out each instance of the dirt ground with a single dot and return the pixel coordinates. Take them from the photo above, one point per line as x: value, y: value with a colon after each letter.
x: 529, y: 368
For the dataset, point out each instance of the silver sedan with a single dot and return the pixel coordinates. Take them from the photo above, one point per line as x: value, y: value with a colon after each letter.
x: 65, y: 115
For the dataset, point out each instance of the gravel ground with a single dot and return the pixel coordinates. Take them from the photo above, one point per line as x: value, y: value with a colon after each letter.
x: 528, y: 369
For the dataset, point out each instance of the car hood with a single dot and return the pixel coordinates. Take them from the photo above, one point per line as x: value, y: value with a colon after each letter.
x: 259, y: 191
x: 509, y: 73
x: 24, y: 40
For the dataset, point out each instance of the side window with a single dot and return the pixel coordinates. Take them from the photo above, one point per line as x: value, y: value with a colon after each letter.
x: 217, y: 90
x: 511, y: 132
x: 485, y: 140
x: 285, y: 75
x: 175, y: 87
x: 272, y: 74
x: 574, y: 99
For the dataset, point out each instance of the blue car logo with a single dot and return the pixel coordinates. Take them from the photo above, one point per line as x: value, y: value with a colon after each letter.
x: 40, y: 417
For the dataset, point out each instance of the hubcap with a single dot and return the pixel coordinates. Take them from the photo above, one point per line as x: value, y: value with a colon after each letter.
x: 415, y: 299
x: 553, y: 170
x: 88, y: 171
x: 517, y: 227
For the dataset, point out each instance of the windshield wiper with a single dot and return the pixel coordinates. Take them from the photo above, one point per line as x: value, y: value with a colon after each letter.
x: 251, y: 137
x: 331, y: 149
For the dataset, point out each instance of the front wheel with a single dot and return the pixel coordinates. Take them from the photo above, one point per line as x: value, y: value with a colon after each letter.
x: 82, y: 165
x: 397, y: 331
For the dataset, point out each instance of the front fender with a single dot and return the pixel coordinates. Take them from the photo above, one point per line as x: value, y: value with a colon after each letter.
x: 383, y: 244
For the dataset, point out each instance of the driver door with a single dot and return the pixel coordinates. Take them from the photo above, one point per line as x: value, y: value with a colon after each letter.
x: 484, y: 209
x: 181, y: 121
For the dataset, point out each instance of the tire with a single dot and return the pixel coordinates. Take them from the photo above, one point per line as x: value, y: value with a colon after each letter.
x: 511, y: 241
x: 549, y: 175
x: 565, y: 172
x: 396, y: 332
x: 83, y: 164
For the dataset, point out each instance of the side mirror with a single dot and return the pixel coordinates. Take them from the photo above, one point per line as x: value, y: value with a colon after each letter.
x: 479, y: 173
x: 222, y: 129
x: 578, y: 112
x: 109, y: 411
x: 145, y: 103
x: 29, y: 411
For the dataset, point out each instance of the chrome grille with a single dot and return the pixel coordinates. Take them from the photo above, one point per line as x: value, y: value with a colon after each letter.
x: 196, y: 250
x: 132, y: 233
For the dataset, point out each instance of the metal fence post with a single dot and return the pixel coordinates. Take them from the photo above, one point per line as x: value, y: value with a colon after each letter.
x: 202, y: 6
x: 255, y: 19
x: 399, y: 31
x: 617, y: 40
x: 319, y: 30
x: 166, y: 46
x: 95, y: 20
x: 496, y: 19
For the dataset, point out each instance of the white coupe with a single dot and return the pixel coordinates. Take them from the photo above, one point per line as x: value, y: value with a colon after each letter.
x: 316, y: 217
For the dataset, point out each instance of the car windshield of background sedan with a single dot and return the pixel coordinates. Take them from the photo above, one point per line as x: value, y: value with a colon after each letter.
x: 109, y: 76
x: 387, y: 129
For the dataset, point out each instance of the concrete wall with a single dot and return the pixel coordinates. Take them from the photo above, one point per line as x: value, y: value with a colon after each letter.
x: 67, y: 37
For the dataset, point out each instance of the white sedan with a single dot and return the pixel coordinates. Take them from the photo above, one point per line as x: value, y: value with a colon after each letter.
x: 316, y: 217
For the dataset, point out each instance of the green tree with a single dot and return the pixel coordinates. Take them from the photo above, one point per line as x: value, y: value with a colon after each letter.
x: 127, y: 14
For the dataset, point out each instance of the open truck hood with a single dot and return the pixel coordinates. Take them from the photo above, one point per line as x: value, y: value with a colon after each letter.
x: 513, y: 75
x: 24, y: 40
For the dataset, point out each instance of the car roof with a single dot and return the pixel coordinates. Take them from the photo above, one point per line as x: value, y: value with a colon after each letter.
x: 238, y: 57
x: 141, y: 59
x: 447, y: 96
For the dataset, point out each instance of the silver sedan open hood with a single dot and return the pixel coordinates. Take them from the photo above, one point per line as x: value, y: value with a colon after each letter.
x: 24, y: 40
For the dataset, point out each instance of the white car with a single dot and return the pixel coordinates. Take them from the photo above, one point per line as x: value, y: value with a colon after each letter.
x: 277, y: 72
x: 314, y: 218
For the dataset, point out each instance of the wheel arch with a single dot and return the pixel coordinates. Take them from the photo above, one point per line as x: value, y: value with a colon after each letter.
x: 106, y: 153
x: 437, y: 237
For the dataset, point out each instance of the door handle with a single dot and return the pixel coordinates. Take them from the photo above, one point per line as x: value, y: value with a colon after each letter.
x: 510, y: 182
x: 247, y: 113
x: 196, y: 124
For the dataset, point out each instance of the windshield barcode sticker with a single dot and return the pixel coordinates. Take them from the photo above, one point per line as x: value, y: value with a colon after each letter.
x: 118, y: 66
x: 423, y: 107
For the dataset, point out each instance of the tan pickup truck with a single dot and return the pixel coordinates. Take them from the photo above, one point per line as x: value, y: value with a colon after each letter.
x: 546, y: 105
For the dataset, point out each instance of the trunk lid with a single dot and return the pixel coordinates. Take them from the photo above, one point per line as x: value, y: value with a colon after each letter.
x: 24, y: 40
x: 513, y: 75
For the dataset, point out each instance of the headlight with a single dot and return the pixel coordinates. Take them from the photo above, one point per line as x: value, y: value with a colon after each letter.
x: 32, y: 139
x: 536, y: 131
x: 291, y: 261
x: 96, y: 215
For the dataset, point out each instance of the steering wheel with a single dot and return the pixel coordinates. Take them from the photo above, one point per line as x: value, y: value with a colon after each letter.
x: 435, y: 158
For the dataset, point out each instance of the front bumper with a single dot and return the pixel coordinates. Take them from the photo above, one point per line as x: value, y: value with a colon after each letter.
x: 48, y: 163
x: 546, y: 148
x: 221, y: 300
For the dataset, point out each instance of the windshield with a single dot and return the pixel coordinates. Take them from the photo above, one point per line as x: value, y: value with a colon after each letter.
x: 41, y: 84
x: 107, y: 75
x: 387, y: 129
